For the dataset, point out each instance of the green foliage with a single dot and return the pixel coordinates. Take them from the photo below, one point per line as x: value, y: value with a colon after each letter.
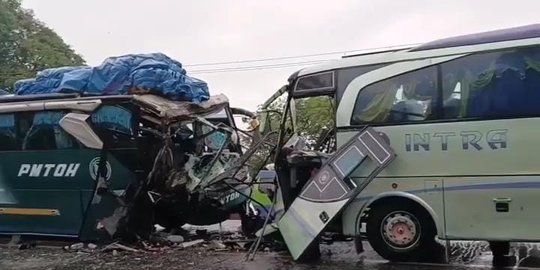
x: 28, y: 46
x: 314, y: 116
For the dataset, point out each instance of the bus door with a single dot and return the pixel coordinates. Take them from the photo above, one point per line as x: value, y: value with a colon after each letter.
x: 329, y: 190
x: 326, y: 194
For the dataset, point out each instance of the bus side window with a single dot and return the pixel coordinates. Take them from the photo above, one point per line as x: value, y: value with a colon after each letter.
x: 8, y: 133
x: 409, y: 97
x: 345, y: 76
x: 45, y: 133
x: 114, y: 118
x: 115, y: 125
x: 502, y: 84
x: 493, y: 85
x: 451, y: 96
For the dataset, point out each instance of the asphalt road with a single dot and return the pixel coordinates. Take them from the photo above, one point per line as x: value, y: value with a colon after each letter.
x: 342, y: 256
x: 339, y: 255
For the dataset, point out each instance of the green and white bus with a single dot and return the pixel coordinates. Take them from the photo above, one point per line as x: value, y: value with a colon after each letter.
x: 96, y: 168
x: 461, y: 115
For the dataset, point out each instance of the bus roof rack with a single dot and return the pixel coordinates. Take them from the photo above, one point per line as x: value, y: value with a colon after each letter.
x: 58, y: 96
x: 515, y: 33
x: 18, y: 98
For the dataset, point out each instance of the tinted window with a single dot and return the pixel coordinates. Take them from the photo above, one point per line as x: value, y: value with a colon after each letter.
x: 405, y: 98
x: 44, y: 131
x: 345, y: 76
x: 315, y: 82
x: 115, y: 126
x: 8, y: 133
x: 492, y: 85
x: 114, y: 118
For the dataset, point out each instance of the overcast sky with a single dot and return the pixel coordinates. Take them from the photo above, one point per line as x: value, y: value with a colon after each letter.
x: 196, y: 32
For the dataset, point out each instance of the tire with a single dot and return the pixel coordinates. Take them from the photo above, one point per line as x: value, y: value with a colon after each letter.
x: 499, y: 248
x: 410, y: 238
x: 501, y: 251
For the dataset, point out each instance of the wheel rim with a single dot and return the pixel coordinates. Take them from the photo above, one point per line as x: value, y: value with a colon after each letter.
x: 401, y: 230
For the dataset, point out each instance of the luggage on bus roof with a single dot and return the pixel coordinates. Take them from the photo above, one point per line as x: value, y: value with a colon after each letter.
x: 153, y: 73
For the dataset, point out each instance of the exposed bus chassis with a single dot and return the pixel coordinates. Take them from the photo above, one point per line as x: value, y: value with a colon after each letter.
x: 196, y: 169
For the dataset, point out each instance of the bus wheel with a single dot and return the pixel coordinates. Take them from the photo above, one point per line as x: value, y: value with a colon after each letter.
x: 499, y: 248
x: 401, y: 232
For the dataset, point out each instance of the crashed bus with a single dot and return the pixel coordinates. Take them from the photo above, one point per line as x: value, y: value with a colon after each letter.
x: 108, y: 152
x: 458, y: 114
x: 85, y: 167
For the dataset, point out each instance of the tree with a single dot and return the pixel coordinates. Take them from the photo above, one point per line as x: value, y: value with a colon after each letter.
x: 314, y: 118
x: 314, y: 121
x: 28, y: 45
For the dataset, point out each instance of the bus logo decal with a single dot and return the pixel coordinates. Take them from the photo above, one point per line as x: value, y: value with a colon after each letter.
x: 49, y: 170
x: 93, y: 168
x: 465, y: 140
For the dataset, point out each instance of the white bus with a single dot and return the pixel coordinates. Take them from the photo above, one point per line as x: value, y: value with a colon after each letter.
x: 460, y: 113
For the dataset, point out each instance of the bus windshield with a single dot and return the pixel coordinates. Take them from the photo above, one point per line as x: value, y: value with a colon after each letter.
x: 313, y: 119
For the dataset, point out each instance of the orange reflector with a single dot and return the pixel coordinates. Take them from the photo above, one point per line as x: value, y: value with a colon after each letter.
x: 29, y: 212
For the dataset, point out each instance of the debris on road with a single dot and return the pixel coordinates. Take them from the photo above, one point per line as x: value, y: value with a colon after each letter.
x: 216, y: 245
x: 191, y: 243
x: 175, y: 239
x: 117, y: 246
x: 76, y: 246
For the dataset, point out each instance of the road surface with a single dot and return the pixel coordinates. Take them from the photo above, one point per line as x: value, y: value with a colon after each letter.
x: 340, y: 255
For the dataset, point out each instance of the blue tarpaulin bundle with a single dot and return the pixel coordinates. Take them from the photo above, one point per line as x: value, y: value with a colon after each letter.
x: 134, y: 73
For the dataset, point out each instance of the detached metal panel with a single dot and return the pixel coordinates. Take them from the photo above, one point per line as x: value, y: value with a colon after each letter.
x: 331, y: 190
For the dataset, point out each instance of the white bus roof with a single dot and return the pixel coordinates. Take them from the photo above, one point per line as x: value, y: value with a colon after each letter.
x: 491, y: 40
